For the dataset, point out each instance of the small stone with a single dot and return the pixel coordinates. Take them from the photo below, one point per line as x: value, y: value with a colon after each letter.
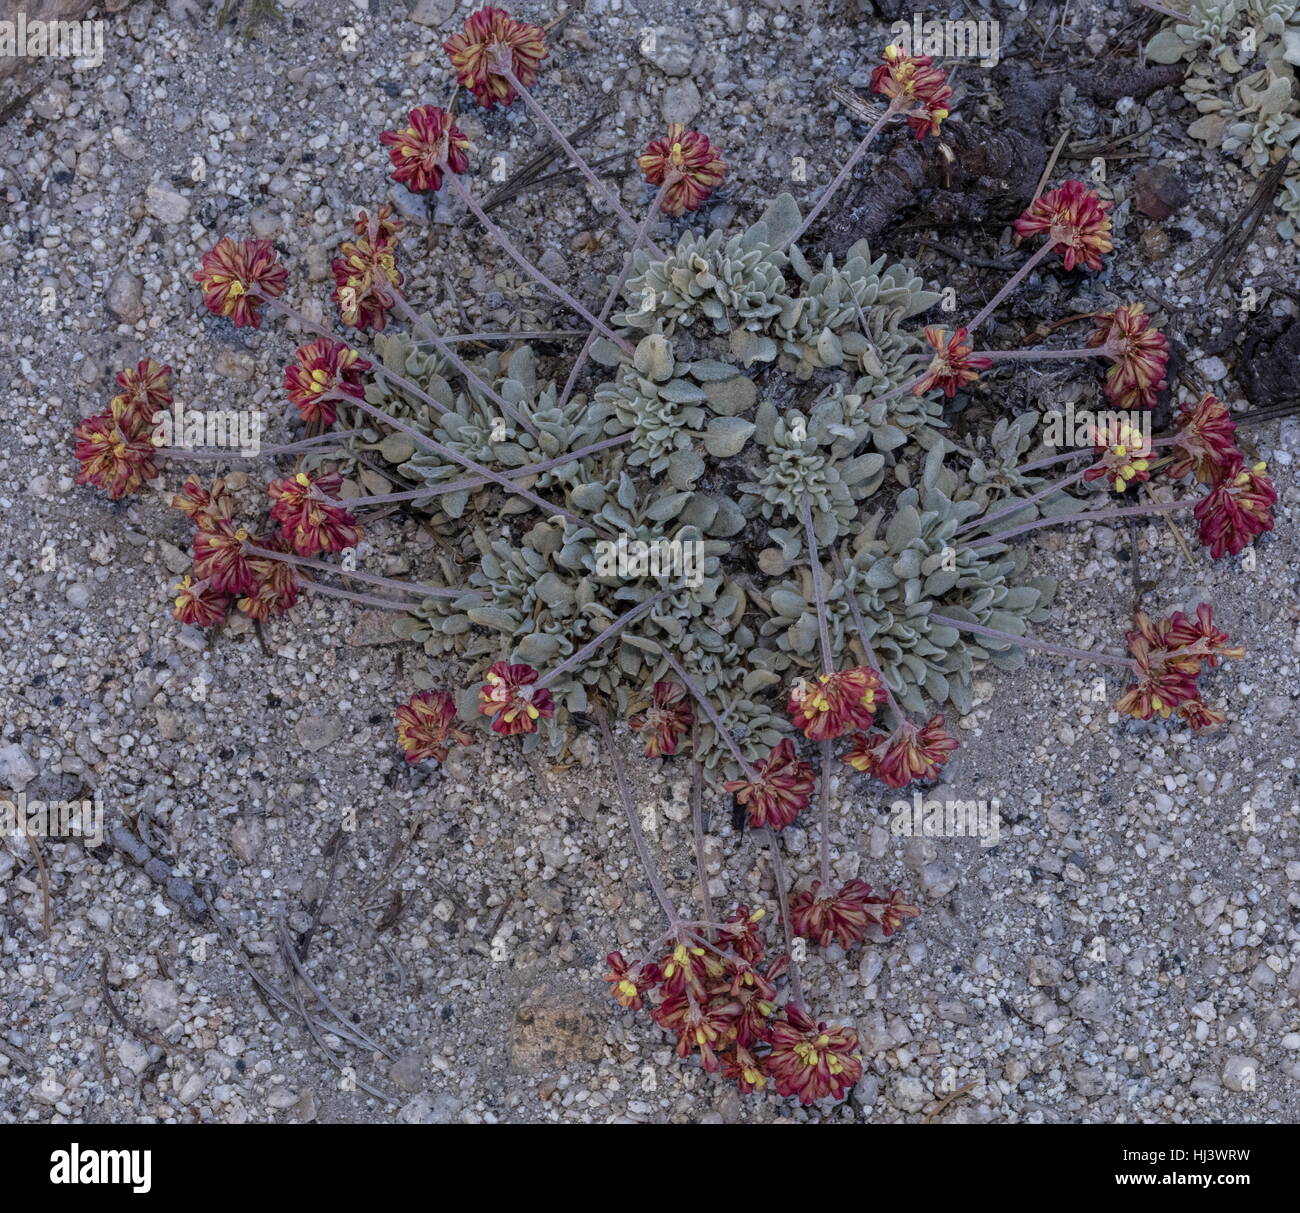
x: 133, y: 1055
x: 125, y: 296
x: 1159, y: 192
x: 16, y: 769
x: 78, y: 595
x: 670, y: 49
x: 681, y: 102
x: 317, y: 732
x: 938, y: 879
x: 426, y: 1109
x: 246, y: 837
x: 159, y: 1000
x: 432, y: 13
x: 1240, y: 1073
x: 166, y: 205
x: 407, y: 1072
x: 127, y: 145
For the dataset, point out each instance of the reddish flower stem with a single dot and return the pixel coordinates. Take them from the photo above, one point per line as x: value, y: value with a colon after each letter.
x: 675, y: 922
x: 306, y: 562
x: 1127, y: 511
x: 503, y: 67
x: 783, y: 903
x: 461, y: 190
x: 642, y: 229
x: 386, y: 604
x: 1011, y: 283
x: 275, y: 449
x: 697, y: 832
x: 864, y: 636
x: 1014, y: 507
x: 474, y: 482
x: 824, y: 813
x: 895, y: 106
x: 418, y: 324
x: 718, y: 723
x: 819, y: 590
x: 1043, y: 646
x: 580, y: 655
x: 1045, y: 355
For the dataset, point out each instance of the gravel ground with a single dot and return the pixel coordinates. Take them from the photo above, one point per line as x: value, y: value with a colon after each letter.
x: 1128, y: 952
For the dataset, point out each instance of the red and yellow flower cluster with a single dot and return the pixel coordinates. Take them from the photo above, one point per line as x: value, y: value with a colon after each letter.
x: 327, y: 374
x: 691, y: 165
x: 225, y: 573
x: 718, y: 996
x: 421, y: 153
x: 238, y: 278
x: 491, y: 48
x: 365, y: 272
x: 953, y: 365
x: 426, y: 726
x: 845, y: 915
x: 115, y: 448
x: 1170, y: 654
x: 917, y: 86
x: 1075, y: 221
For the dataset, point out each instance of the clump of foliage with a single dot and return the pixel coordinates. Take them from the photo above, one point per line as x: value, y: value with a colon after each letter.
x: 737, y: 522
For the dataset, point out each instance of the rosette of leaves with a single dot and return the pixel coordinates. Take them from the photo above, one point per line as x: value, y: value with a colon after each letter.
x: 474, y: 426
x: 993, y: 474
x: 665, y: 405
x: 899, y: 576
x: 849, y: 315
x: 1257, y: 117
x: 706, y: 278
x: 812, y: 456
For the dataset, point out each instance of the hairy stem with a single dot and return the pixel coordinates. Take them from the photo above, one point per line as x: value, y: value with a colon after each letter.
x: 783, y: 904
x: 710, y: 711
x: 819, y: 590
x: 697, y: 833
x: 581, y: 655
x: 1014, y: 507
x: 894, y: 107
x: 642, y: 229
x: 323, y: 566
x: 1126, y: 511
x: 1011, y: 283
x: 824, y: 814
x: 461, y: 190
x: 1042, y: 646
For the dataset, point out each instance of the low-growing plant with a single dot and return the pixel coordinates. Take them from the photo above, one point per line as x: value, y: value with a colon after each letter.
x: 736, y: 522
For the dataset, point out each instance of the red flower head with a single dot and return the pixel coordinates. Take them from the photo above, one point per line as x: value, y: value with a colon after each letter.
x: 689, y: 162
x: 115, y: 450
x: 1125, y: 454
x: 1196, y: 635
x: 366, y: 273
x: 627, y: 988
x: 201, y: 507
x: 1236, y: 509
x: 219, y: 557
x: 702, y: 1028
x: 277, y: 584
x: 810, y: 1060
x: 426, y: 723
x: 492, y: 41
x: 198, y: 603
x: 310, y: 518
x: 508, y: 696
x: 237, y: 278
x: 146, y: 389
x: 743, y: 1068
x: 1074, y: 219
x: 1204, y: 441
x: 835, y: 703
x: 914, y: 78
x: 952, y: 366
x: 1169, y: 654
x: 905, y: 755
x: 422, y: 152
x: 784, y: 786
x: 327, y: 372
x: 1140, y: 353
x: 845, y: 915
x: 666, y: 721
